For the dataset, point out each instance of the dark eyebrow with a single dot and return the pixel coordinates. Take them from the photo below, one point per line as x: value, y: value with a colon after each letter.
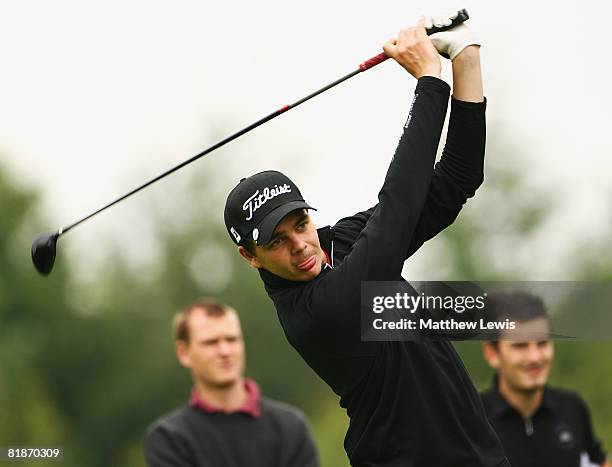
x: 274, y: 236
x: 301, y: 218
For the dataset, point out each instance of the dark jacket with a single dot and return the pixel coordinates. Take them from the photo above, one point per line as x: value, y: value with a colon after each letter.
x: 191, y: 437
x: 559, y: 433
x: 409, y: 403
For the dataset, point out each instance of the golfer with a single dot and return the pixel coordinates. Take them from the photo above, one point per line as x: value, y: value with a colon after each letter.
x: 409, y: 403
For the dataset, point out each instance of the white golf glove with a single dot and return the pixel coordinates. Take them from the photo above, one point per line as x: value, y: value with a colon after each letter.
x: 450, y: 43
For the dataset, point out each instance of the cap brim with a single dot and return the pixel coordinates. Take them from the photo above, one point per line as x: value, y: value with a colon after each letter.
x: 266, y: 227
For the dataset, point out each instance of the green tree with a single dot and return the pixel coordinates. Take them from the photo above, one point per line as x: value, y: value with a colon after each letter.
x: 28, y: 307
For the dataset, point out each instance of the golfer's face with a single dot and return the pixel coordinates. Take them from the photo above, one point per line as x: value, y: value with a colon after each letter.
x: 525, y: 364
x: 216, y: 349
x: 294, y: 252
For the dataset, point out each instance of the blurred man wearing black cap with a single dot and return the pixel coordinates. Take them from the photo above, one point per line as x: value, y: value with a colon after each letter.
x: 409, y: 403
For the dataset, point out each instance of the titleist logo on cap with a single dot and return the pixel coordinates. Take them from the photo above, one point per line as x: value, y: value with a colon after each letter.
x: 257, y: 200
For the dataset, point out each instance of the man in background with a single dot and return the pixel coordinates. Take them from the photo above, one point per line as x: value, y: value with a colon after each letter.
x: 226, y: 422
x: 539, y: 426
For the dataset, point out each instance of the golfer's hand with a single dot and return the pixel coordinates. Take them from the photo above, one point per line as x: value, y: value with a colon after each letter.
x: 452, y: 42
x: 414, y: 51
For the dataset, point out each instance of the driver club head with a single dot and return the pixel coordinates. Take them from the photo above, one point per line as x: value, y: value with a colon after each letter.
x: 43, y: 252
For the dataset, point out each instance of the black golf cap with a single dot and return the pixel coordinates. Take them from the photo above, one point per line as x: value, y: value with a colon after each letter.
x: 258, y: 203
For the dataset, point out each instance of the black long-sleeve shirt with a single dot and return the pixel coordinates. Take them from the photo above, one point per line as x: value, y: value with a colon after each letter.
x: 409, y: 403
x: 559, y: 433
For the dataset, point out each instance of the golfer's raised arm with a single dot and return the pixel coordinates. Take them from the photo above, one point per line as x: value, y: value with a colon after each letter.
x: 467, y: 75
x: 460, y: 170
x: 378, y: 252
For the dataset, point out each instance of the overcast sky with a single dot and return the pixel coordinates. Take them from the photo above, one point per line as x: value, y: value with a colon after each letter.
x: 99, y: 97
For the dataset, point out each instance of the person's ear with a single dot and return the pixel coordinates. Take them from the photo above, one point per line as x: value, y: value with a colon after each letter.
x: 490, y: 352
x: 249, y: 258
x: 182, y: 353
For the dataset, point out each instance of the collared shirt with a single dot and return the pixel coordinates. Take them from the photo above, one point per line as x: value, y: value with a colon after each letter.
x: 250, y: 406
x: 261, y: 433
x: 558, y: 434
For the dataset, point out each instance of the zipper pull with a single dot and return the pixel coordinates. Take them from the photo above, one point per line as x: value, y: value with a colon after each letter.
x: 528, y: 427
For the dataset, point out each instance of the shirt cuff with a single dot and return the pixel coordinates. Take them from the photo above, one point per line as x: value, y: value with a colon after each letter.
x: 434, y: 84
x: 456, y: 103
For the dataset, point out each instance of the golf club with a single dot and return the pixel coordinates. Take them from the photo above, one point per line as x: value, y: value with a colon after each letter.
x: 44, y: 247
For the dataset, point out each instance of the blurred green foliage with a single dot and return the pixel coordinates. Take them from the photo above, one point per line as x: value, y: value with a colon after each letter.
x: 89, y: 365
x: 493, y: 240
